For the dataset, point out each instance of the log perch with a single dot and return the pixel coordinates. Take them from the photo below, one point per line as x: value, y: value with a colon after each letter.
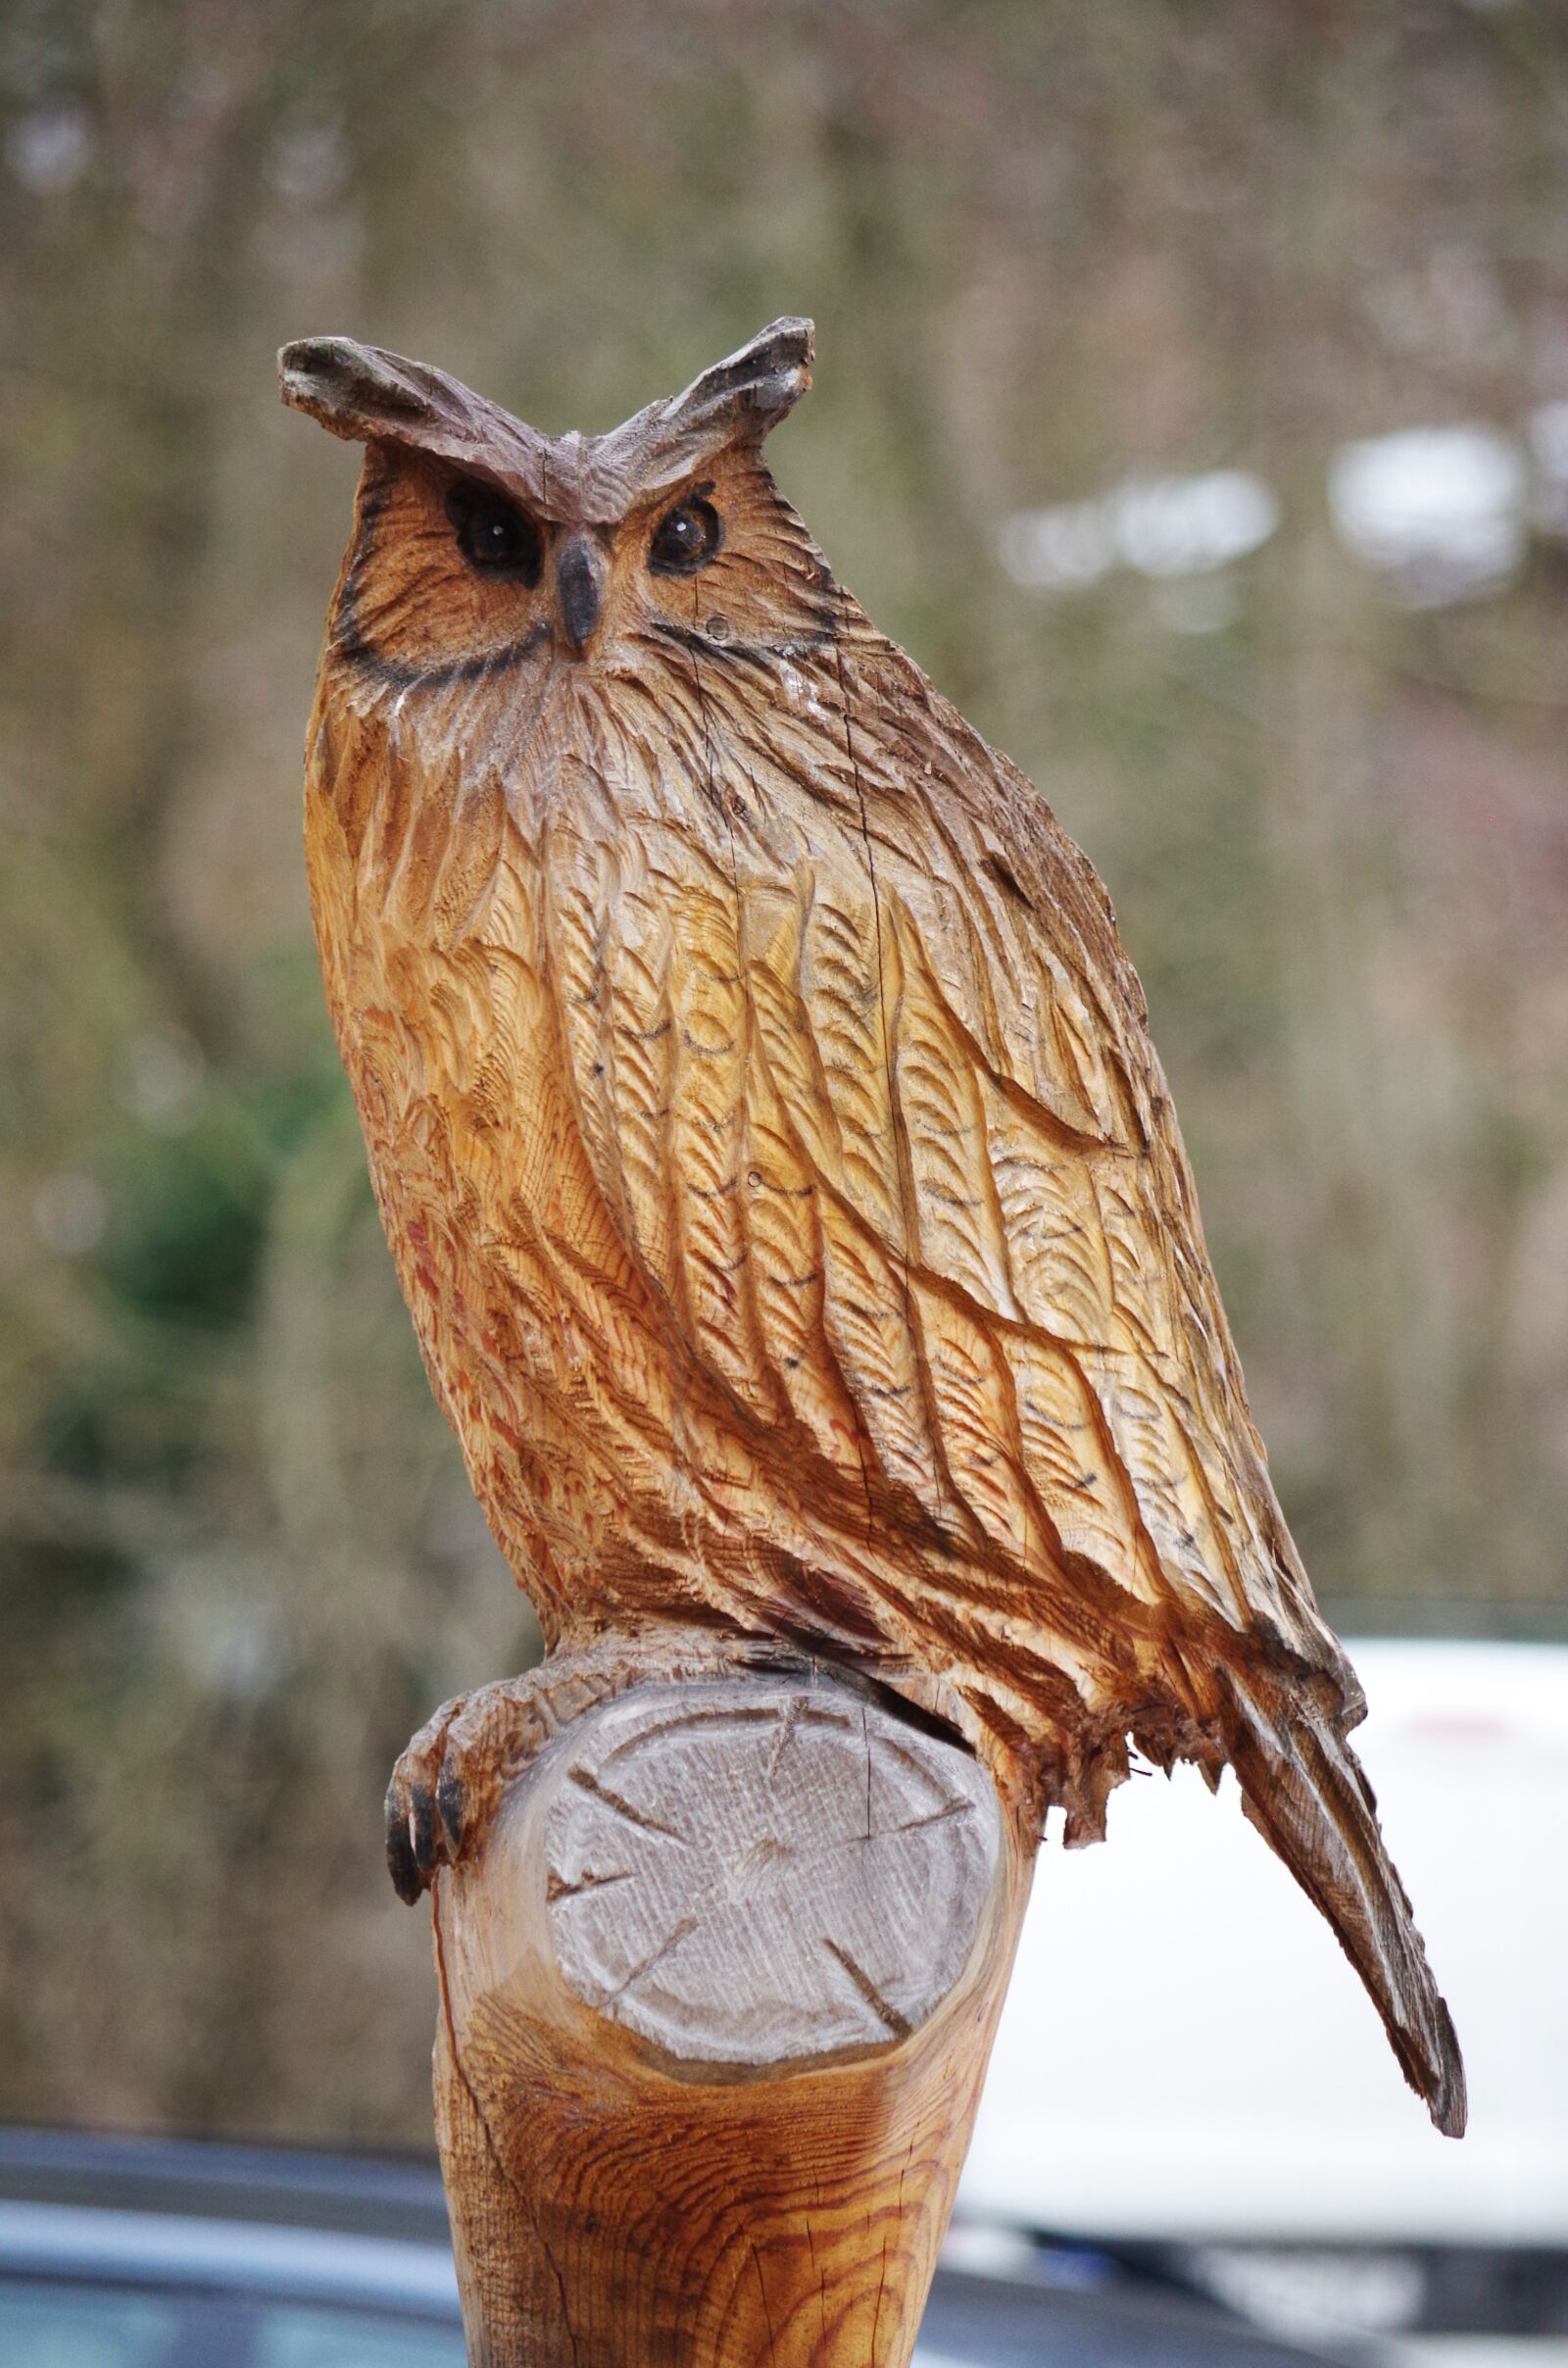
x: 717, y: 1993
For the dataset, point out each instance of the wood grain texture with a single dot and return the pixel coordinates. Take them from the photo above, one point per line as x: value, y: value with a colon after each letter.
x: 717, y: 1993
x: 834, y: 1904
x: 767, y: 1128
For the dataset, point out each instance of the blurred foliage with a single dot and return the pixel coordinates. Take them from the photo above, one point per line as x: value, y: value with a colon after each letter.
x: 1047, y: 247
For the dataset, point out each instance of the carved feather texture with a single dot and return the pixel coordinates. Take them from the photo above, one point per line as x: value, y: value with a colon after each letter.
x: 784, y: 1185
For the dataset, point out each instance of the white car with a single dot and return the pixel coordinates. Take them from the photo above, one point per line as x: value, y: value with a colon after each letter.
x: 1186, y: 2056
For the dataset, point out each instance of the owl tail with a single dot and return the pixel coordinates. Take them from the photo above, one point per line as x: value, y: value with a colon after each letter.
x: 1303, y: 1789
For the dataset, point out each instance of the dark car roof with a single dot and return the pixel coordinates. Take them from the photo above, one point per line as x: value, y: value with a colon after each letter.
x: 371, y: 2231
x: 376, y: 2193
x: 358, y: 2232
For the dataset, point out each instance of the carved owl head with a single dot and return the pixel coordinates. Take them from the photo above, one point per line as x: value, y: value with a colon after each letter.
x: 485, y: 548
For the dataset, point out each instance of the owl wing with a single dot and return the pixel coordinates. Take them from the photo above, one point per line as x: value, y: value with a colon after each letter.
x: 871, y: 1088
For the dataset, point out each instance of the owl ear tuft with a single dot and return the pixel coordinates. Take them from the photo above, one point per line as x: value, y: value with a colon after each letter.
x: 355, y: 390
x: 365, y: 393
x: 751, y: 392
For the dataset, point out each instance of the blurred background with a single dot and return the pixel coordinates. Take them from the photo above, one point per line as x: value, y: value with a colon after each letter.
x: 1192, y: 399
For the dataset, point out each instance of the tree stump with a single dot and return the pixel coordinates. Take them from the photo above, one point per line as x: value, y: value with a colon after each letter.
x: 718, y: 1993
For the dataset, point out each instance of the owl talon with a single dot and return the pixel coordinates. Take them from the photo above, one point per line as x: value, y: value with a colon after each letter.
x: 422, y: 1836
x: 450, y: 1796
x: 417, y: 1839
x: 401, y: 1864
x: 446, y: 1784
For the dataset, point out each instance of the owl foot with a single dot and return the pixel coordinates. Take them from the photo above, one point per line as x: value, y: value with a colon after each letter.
x: 447, y: 1784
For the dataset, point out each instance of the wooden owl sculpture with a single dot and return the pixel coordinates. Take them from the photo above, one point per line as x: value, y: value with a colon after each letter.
x: 777, y: 1164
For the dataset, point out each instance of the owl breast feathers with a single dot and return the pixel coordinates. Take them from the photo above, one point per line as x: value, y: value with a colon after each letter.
x: 763, y: 1118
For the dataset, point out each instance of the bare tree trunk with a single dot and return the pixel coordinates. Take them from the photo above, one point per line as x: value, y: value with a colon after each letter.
x: 717, y: 1998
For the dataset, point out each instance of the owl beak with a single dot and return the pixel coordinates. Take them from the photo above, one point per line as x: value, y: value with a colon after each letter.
x: 579, y: 589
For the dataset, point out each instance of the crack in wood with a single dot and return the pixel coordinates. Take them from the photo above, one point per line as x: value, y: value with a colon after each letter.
x: 587, y: 1782
x: 896, y: 2022
x: 942, y: 1817
x: 683, y: 1931
x: 558, y: 1888
x: 789, y: 1720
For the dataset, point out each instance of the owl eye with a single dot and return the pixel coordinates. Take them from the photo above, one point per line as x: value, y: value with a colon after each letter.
x: 685, y: 538
x: 494, y: 535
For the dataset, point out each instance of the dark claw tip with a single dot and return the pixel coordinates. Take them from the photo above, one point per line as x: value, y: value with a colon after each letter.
x: 422, y: 1813
x: 401, y: 1864
x: 448, y: 1801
